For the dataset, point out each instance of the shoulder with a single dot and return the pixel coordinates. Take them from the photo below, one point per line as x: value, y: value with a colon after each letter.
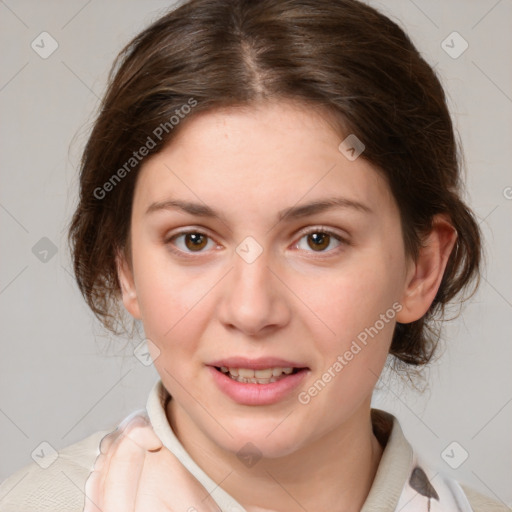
x: 409, y: 483
x: 58, y: 487
x: 482, y: 503
x: 430, y: 485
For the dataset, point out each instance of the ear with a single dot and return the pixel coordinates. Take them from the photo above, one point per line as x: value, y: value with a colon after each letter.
x: 424, y: 276
x: 129, y: 293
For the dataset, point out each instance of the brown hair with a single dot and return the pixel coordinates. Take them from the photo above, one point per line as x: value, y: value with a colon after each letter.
x: 338, y: 55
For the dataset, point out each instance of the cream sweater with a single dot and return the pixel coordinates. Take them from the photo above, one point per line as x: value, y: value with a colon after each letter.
x: 402, y: 482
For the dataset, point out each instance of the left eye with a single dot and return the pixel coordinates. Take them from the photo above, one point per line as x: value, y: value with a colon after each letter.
x: 320, y: 239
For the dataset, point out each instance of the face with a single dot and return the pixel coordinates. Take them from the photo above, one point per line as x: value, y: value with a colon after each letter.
x: 254, y: 271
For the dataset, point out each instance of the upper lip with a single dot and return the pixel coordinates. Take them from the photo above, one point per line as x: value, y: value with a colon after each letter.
x: 260, y: 363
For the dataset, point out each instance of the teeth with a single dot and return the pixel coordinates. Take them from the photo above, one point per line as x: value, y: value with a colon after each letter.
x: 263, y: 374
x: 247, y: 375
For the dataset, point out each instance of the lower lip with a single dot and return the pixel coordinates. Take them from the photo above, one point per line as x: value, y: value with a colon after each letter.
x: 257, y: 394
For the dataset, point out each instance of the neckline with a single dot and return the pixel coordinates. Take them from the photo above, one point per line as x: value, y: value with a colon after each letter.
x: 387, y: 485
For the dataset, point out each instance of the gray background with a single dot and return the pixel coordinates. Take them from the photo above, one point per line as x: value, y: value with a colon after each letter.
x: 62, y: 377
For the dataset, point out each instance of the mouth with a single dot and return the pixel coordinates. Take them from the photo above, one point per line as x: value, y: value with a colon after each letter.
x: 260, y: 376
x: 257, y: 382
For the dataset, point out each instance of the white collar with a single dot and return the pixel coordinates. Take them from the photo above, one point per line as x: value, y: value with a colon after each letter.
x: 391, y: 490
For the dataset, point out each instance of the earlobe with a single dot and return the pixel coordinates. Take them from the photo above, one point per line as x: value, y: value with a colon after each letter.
x: 127, y: 282
x: 425, y: 275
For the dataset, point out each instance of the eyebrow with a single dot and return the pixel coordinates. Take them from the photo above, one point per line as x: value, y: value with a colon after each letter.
x: 294, y: 212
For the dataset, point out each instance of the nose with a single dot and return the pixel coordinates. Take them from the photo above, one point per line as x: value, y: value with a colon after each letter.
x: 253, y: 299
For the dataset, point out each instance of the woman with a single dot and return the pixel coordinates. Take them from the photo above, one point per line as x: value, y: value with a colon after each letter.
x: 272, y: 189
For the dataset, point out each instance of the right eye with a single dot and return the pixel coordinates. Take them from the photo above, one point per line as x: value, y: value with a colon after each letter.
x: 188, y: 242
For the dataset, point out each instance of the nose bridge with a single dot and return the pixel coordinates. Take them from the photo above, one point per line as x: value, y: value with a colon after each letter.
x: 251, y: 271
x: 253, y: 298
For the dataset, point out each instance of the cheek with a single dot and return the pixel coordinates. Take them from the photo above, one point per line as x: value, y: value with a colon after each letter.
x: 353, y: 298
x: 167, y: 296
x: 357, y: 307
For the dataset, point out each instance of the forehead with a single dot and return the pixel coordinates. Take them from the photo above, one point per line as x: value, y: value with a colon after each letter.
x: 272, y: 154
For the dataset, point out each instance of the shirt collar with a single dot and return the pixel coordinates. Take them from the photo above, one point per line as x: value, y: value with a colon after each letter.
x: 395, y: 464
x: 393, y: 471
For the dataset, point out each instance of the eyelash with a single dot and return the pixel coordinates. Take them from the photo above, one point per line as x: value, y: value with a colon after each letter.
x: 317, y: 230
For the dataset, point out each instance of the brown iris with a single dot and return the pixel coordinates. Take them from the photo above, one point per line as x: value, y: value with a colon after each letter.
x: 195, y: 241
x: 320, y: 240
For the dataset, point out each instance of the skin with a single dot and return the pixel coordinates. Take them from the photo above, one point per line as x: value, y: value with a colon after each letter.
x: 295, y: 301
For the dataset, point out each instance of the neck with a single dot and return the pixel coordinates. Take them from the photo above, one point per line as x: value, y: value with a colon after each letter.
x: 335, y: 472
